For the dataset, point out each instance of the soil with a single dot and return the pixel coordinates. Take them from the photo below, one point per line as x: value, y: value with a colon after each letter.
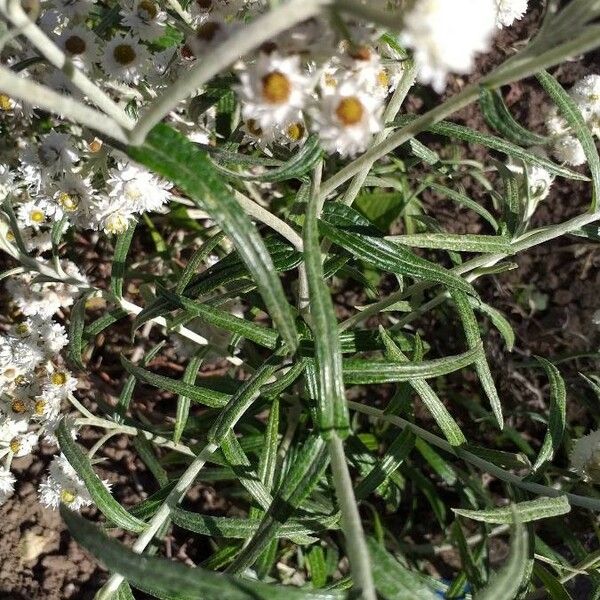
x: 38, y: 560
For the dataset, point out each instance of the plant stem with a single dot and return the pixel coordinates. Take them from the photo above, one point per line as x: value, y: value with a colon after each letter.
x: 356, y: 547
x: 162, y: 515
x: 43, y: 97
x: 54, y: 55
x: 480, y: 463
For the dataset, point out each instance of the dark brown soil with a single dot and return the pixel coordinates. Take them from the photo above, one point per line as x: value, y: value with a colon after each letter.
x: 38, y: 560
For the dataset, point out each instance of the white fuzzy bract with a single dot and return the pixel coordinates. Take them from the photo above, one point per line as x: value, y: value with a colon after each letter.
x: 7, y: 485
x: 510, y: 11
x: 445, y: 36
x: 585, y: 456
x: 125, y: 59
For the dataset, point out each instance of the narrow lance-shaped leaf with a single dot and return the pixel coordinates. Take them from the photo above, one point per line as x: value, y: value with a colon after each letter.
x: 505, y: 584
x: 331, y: 400
x: 466, y: 134
x: 499, y: 118
x: 303, y: 476
x: 198, y: 394
x: 455, y: 241
x: 76, y: 331
x: 572, y: 114
x: 393, y: 580
x: 364, y: 371
x: 129, y: 386
x: 471, y: 329
x: 399, y: 449
x: 170, y: 154
x: 464, y: 200
x: 221, y: 318
x: 557, y: 414
x: 391, y: 256
x: 438, y: 411
x: 119, y: 261
x: 499, y: 321
x: 107, y: 505
x: 531, y: 510
x: 183, y: 402
x: 170, y: 580
x: 240, y: 402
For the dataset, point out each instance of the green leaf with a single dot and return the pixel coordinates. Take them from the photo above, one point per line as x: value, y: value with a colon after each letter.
x: 558, y: 414
x: 499, y: 321
x: 398, y: 451
x: 572, y: 114
x: 296, y: 167
x: 145, y: 451
x: 106, y: 504
x: 555, y: 589
x: 119, y: 261
x: 236, y: 528
x: 240, y: 402
x: 183, y: 402
x: 386, y: 255
x: 464, y: 200
x: 381, y: 208
x: 196, y: 260
x: 455, y: 241
x: 364, y: 371
x: 76, y: 331
x: 173, y: 156
x: 170, y: 580
x: 127, y: 390
x: 304, y: 474
x: 393, y: 580
x: 531, y: 510
x: 428, y: 396
x: 202, y: 395
x: 498, y: 117
x: 466, y: 134
x: 317, y: 566
x: 471, y: 329
x: 263, y: 336
x: 505, y: 584
x: 332, y: 411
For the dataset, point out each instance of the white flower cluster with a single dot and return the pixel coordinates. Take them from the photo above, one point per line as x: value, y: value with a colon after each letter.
x: 307, y: 79
x: 565, y: 146
x: 585, y: 456
x: 33, y: 381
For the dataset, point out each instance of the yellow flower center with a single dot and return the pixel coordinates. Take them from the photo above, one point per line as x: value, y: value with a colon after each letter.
x: 68, y: 202
x: 383, y: 78
x: 59, y: 378
x: 37, y: 216
x: 67, y: 496
x: 124, y: 54
x: 40, y: 407
x: 22, y: 329
x: 350, y: 111
x: 295, y: 131
x: 75, y: 45
x: 18, y: 407
x: 10, y: 236
x: 95, y: 145
x: 5, y: 102
x: 15, y: 445
x: 147, y: 10
x: 21, y: 381
x: 276, y: 87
